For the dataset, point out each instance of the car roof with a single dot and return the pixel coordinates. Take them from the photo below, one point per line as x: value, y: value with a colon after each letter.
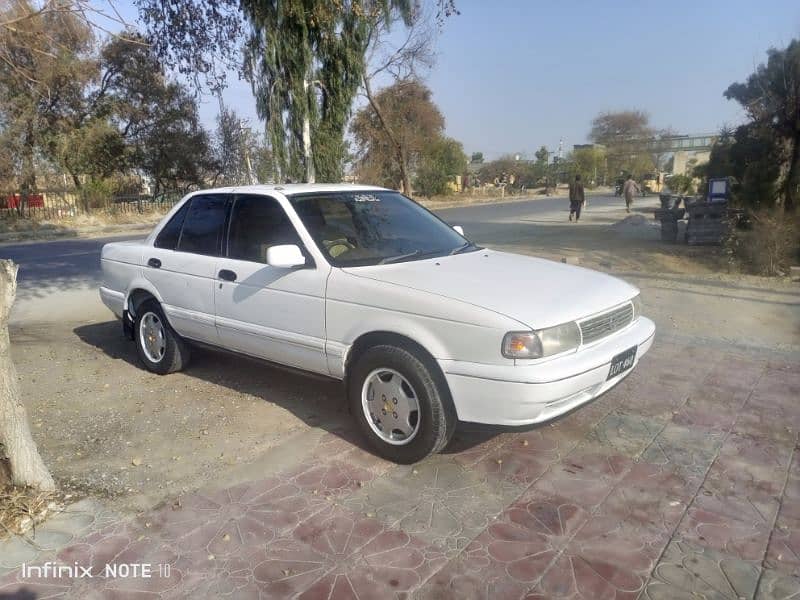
x: 294, y: 188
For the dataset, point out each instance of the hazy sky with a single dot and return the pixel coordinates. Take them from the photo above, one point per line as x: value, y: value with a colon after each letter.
x: 514, y: 75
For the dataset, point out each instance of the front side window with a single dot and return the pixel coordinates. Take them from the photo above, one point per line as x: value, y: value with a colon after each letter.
x: 204, y: 225
x: 357, y: 228
x: 258, y: 222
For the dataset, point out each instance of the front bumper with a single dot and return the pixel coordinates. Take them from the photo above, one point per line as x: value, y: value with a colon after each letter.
x: 524, y: 394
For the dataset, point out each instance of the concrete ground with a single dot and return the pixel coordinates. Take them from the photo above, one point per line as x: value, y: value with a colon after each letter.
x: 238, y: 480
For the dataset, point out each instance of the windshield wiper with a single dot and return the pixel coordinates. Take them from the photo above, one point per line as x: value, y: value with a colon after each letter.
x: 391, y: 259
x: 463, y: 248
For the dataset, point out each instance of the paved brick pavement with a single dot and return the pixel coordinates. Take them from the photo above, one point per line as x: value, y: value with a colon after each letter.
x: 682, y: 482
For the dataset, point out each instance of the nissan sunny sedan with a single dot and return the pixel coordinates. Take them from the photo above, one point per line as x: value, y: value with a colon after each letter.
x: 364, y: 285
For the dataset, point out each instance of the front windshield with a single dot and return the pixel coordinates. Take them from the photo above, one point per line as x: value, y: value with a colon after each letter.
x: 357, y: 228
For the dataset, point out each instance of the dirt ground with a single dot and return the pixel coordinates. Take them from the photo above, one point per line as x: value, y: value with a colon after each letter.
x: 108, y: 428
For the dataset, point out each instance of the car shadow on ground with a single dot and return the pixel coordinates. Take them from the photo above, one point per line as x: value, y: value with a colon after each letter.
x: 318, y: 401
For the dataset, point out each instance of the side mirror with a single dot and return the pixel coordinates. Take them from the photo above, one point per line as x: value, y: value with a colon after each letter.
x: 459, y: 229
x: 285, y: 257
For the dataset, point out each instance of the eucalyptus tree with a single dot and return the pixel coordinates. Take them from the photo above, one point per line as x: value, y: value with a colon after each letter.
x: 305, y: 60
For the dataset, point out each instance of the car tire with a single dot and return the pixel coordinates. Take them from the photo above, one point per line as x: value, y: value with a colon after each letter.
x: 420, y: 382
x: 160, y: 348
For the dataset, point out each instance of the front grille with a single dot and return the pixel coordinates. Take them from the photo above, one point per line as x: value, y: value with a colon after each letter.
x: 603, y: 325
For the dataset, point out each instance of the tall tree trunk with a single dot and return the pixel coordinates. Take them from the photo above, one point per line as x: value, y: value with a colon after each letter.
x: 401, y: 158
x: 27, y: 467
x: 399, y: 151
x: 792, y: 183
x: 308, y: 155
x: 28, y: 183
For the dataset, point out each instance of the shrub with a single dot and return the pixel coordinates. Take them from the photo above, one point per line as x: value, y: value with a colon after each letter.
x: 769, y: 247
x: 442, y: 160
x: 681, y: 184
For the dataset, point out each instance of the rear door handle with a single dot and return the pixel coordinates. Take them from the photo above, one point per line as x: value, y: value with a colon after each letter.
x: 154, y: 262
x: 227, y: 275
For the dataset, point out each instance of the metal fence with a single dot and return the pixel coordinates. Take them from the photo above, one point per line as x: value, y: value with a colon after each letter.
x: 52, y: 205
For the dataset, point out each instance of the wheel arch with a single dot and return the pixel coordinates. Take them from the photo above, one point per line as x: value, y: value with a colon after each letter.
x: 136, y: 298
x: 139, y: 292
x: 378, y: 338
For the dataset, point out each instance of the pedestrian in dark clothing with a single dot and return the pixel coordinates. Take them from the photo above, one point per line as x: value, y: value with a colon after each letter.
x: 577, y: 197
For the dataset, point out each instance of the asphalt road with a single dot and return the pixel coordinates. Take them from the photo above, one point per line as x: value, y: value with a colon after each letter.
x: 76, y: 263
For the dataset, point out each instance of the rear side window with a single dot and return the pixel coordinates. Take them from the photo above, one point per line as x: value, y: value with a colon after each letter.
x: 204, y: 225
x: 258, y: 222
x: 168, y: 236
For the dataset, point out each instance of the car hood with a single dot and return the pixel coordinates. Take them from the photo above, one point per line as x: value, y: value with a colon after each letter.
x: 536, y: 292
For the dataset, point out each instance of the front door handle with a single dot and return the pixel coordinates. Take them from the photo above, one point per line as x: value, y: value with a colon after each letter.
x: 227, y: 275
x: 154, y: 262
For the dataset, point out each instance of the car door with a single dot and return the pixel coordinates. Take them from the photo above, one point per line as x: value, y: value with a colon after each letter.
x: 273, y: 313
x: 182, y: 265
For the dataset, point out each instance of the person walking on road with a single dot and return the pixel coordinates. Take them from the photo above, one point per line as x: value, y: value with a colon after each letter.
x: 629, y: 190
x: 577, y: 198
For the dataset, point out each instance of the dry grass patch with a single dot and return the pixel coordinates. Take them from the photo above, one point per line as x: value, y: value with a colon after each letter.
x: 769, y: 247
x: 22, y: 509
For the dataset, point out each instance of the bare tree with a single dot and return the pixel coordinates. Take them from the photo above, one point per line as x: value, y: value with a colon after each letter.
x: 30, y: 25
x: 27, y: 467
x: 400, y: 63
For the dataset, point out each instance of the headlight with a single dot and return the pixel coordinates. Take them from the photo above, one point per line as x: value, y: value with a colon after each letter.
x: 637, y: 306
x: 545, y: 342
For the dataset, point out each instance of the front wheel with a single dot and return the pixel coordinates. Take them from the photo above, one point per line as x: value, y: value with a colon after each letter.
x: 401, y: 404
x: 160, y: 349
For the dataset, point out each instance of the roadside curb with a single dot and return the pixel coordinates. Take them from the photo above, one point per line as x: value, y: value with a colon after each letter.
x: 57, y: 234
x: 435, y: 205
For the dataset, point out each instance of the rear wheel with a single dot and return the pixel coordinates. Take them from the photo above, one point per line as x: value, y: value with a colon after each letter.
x: 401, y: 404
x: 160, y: 349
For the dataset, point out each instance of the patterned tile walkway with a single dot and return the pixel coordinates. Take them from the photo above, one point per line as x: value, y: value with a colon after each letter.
x: 682, y: 482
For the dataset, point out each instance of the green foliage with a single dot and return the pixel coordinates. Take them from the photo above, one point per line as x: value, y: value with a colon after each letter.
x: 766, y: 151
x: 441, y: 162
x: 476, y: 158
x: 523, y: 173
x: 175, y: 150
x: 96, y: 149
x: 157, y: 118
x: 752, y: 157
x: 305, y: 61
x: 409, y: 112
x: 96, y: 194
x: 542, y: 156
x: 46, y: 66
x: 95, y: 113
x: 681, y: 184
x: 589, y: 163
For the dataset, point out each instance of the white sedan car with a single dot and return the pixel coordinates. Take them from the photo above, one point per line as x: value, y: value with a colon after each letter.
x: 363, y: 285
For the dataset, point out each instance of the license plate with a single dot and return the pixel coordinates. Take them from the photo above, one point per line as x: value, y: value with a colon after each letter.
x: 622, y: 362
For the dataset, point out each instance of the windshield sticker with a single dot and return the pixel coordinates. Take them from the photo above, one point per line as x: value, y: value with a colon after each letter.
x: 365, y: 198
